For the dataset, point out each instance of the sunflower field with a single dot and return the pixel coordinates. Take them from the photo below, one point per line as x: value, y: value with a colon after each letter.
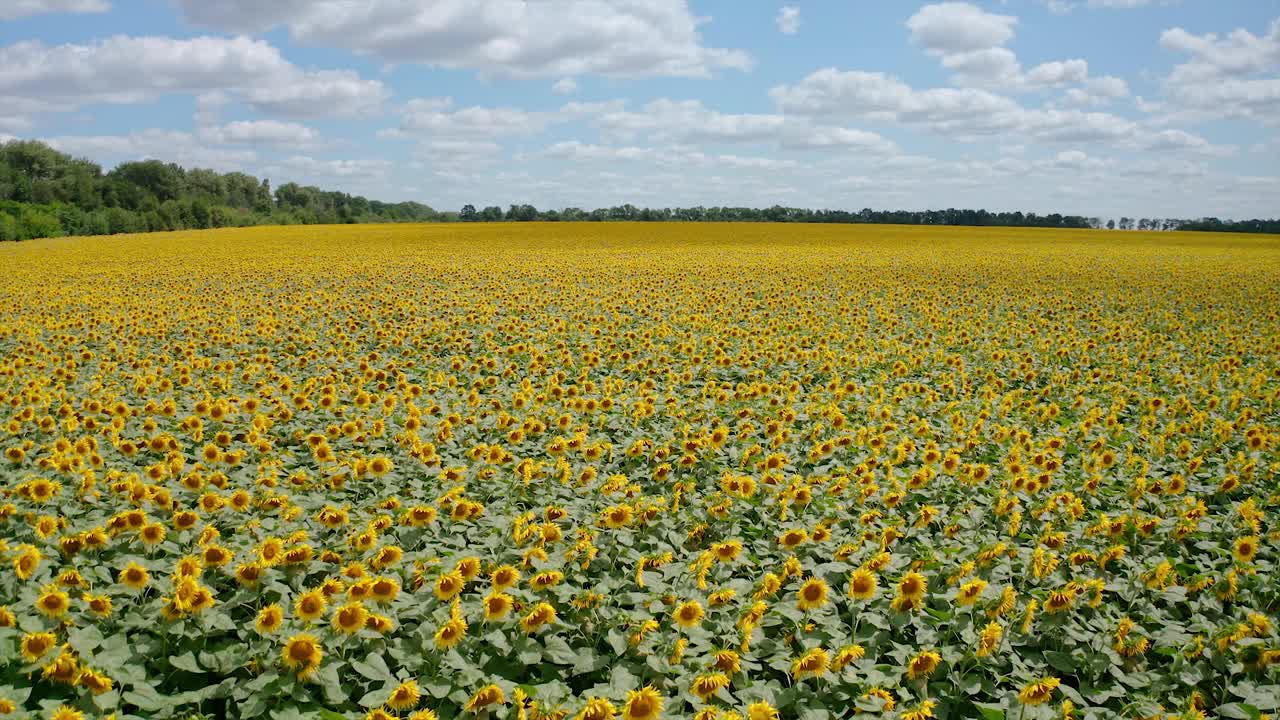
x: 599, y: 471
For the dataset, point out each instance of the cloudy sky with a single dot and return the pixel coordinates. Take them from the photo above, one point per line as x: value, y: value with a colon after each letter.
x: 1097, y: 107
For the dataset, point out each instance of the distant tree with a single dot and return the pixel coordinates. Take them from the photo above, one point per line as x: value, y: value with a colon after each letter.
x: 8, y: 228
x: 37, y: 223
x: 1111, y: 224
x: 468, y: 213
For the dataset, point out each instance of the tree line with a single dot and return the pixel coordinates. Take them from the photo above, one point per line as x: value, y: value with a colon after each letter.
x: 46, y: 193
x: 778, y: 213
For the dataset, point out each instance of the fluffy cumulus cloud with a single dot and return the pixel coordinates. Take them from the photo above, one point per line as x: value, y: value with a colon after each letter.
x: 260, y: 132
x: 14, y: 9
x: 665, y: 119
x: 175, y: 146
x: 124, y: 69
x: 438, y: 117
x: 506, y: 38
x: 1236, y: 75
x: 966, y: 113
x: 959, y: 27
x: 788, y: 20
x: 969, y: 42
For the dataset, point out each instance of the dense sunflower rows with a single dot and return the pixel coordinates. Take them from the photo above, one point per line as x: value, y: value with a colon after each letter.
x: 640, y: 472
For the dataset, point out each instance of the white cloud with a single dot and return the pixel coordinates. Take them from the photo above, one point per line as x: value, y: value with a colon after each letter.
x: 577, y: 150
x: 124, y: 69
x: 437, y: 116
x: 1233, y: 76
x: 1097, y: 91
x: 958, y: 27
x: 167, y: 145
x: 260, y: 132
x: 829, y: 137
x: 1058, y: 73
x: 1077, y: 160
x: 966, y: 113
x: 788, y: 20
x: 877, y: 96
x: 308, y: 166
x: 565, y: 86
x: 14, y: 9
x: 676, y: 156
x: 969, y: 42
x: 686, y: 120
x: 510, y: 38
x: 340, y: 93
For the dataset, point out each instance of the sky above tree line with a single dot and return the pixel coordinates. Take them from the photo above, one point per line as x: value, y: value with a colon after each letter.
x: 1159, y: 108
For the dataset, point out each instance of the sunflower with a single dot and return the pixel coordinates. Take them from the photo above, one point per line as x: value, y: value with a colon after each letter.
x: 970, y: 592
x: 812, y: 594
x: 761, y: 710
x: 727, y: 551
x: 451, y: 633
x: 135, y: 576
x: 36, y: 645
x: 405, y: 696
x: 310, y: 606
x: 384, y: 590
x: 302, y: 654
x: 989, y: 640
x: 811, y: 664
x: 449, y: 585
x: 503, y: 577
x: 467, y: 567
x: 541, y: 614
x: 688, y: 614
x: 793, y: 538
x: 484, y: 697
x: 547, y: 579
x: 923, y: 711
x: 923, y: 664
x: 248, y: 574
x: 1245, y: 549
x: 497, y: 605
x: 884, y: 696
x: 65, y: 712
x: 350, y: 618
x: 1038, y: 692
x: 846, y: 655
x: 863, y: 584
x: 597, y: 709
x: 93, y: 681
x: 269, y: 619
x: 99, y: 605
x: 913, y: 585
x: 53, y: 602
x: 643, y: 704
x: 704, y: 686
x: 618, y: 516
x: 63, y: 669
x: 1060, y: 600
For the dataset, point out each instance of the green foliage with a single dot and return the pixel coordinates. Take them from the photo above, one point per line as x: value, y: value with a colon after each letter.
x: 46, y: 193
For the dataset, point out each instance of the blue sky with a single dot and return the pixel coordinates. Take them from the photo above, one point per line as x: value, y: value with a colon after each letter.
x: 1098, y: 107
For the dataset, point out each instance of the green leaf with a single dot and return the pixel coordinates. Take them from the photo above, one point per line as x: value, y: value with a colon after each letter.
x: 1239, y: 711
x: 185, y: 661
x: 373, y: 667
x: 990, y: 711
